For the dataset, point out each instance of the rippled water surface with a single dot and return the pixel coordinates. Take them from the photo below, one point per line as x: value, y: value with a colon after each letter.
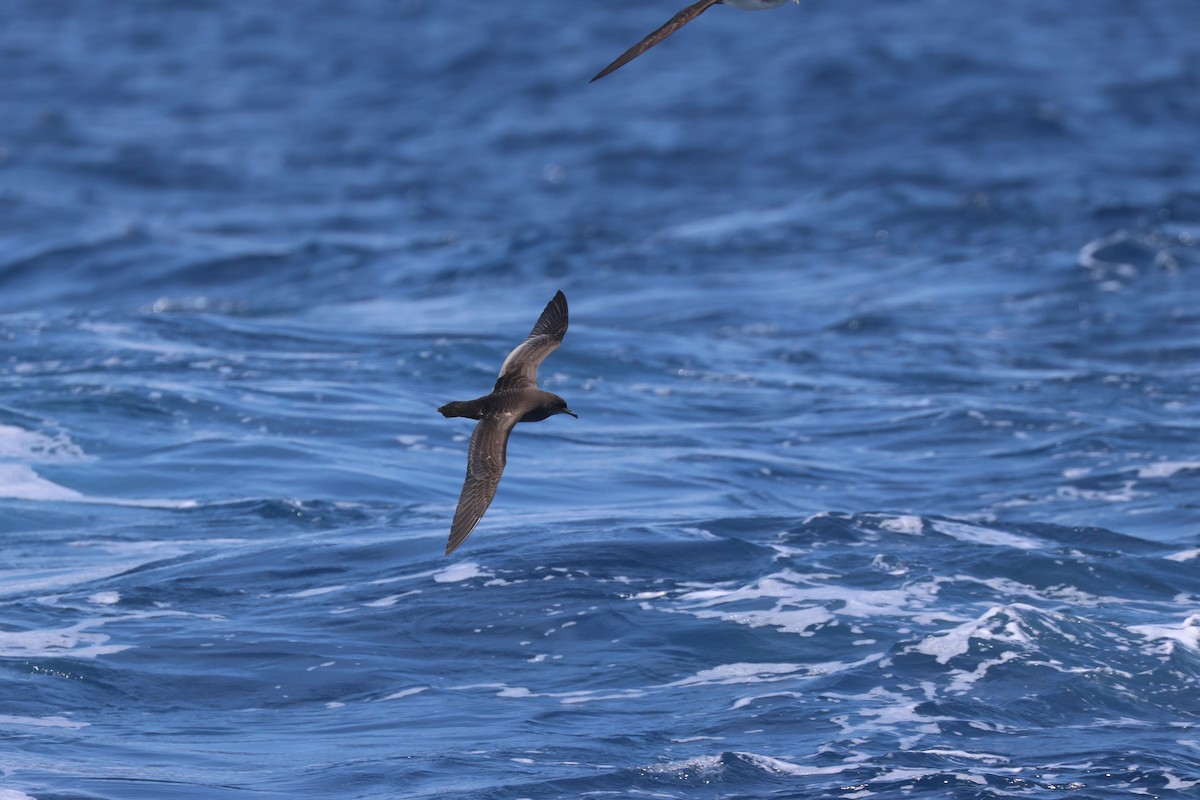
x: 884, y: 345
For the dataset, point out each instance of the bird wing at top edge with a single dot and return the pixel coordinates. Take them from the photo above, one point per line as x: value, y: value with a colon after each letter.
x: 544, y: 339
x: 675, y: 23
x: 485, y: 465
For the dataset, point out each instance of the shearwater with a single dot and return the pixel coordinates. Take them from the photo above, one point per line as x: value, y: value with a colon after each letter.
x: 515, y: 398
x: 678, y: 21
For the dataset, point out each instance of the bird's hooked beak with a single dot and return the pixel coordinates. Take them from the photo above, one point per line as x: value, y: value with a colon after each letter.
x: 569, y: 411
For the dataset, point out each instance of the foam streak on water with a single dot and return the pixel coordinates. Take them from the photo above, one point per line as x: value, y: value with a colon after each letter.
x: 884, y: 344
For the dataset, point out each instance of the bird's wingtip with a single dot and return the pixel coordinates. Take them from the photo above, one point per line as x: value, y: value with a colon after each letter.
x: 601, y: 74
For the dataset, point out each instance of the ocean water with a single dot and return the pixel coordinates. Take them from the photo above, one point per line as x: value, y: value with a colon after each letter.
x: 885, y: 346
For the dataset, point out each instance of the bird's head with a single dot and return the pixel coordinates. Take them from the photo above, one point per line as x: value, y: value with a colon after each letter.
x: 559, y: 406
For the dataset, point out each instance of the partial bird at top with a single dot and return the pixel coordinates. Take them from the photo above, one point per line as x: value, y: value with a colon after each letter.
x: 515, y: 398
x: 678, y: 21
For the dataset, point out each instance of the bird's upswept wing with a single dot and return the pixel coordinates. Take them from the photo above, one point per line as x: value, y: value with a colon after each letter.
x: 675, y: 23
x: 544, y: 339
x: 485, y: 465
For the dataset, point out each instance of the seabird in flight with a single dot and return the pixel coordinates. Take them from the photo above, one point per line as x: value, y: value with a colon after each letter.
x: 515, y: 398
x: 678, y: 21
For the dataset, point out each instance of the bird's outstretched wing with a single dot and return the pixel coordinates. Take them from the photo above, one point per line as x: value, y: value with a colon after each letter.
x: 544, y: 339
x: 485, y: 465
x: 675, y: 23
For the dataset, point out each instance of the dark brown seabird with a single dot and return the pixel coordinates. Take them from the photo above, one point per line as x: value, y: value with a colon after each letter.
x: 515, y: 398
x: 678, y: 21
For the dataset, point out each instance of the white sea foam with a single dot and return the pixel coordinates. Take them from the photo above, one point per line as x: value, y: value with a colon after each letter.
x: 1166, y: 469
x: 13, y: 794
x: 571, y: 698
x: 566, y: 698
x: 909, y: 774
x: 700, y: 765
x: 390, y: 600
x: 999, y: 623
x: 412, y: 576
x: 742, y: 702
x: 1186, y: 633
x: 961, y: 679
x: 23, y: 581
x: 20, y: 482
x: 20, y: 444
x: 881, y: 709
x: 738, y: 673
x: 781, y: 767
x: 78, y: 640
x: 409, y: 692
x: 1184, y: 555
x: 809, y: 671
x: 725, y: 674
x: 801, y: 620
x: 911, y: 526
x: 1174, y: 782
x: 798, y: 604
x: 1122, y: 494
x: 987, y: 758
x: 711, y: 765
x: 980, y: 535
x: 75, y: 641
x: 62, y: 570
x: 460, y: 572
x: 1009, y: 588
x: 42, y: 722
x: 316, y: 591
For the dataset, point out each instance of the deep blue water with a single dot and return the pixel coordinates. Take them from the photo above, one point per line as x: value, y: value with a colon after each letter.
x: 885, y: 344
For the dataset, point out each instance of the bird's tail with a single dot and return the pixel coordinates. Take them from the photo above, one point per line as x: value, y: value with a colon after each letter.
x: 459, y: 408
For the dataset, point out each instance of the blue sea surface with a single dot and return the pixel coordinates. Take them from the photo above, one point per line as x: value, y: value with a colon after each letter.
x: 885, y: 344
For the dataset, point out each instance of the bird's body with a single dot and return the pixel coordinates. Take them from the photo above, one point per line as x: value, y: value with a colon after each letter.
x: 678, y: 21
x: 515, y: 398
